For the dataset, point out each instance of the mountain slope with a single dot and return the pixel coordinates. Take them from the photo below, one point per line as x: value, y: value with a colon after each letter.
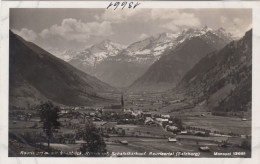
x: 193, y: 44
x: 120, y: 66
x: 36, y: 75
x: 222, y: 79
x: 131, y: 63
x: 88, y: 59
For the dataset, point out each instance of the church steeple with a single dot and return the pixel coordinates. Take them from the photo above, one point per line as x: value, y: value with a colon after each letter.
x: 122, y: 100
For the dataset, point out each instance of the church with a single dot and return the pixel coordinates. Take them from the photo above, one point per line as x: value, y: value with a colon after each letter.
x: 114, y: 108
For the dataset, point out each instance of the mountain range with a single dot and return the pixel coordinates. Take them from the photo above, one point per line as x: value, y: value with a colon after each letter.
x: 118, y: 65
x: 205, y: 66
x: 121, y: 66
x: 192, y: 45
x: 222, y: 79
x: 36, y: 75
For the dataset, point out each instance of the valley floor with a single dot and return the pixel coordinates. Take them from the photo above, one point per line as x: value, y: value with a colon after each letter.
x: 139, y: 130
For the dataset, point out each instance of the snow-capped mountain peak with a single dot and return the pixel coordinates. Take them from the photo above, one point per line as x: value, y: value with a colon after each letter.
x: 204, y: 32
x: 147, y: 50
x: 223, y: 33
x: 97, y: 53
x: 67, y: 55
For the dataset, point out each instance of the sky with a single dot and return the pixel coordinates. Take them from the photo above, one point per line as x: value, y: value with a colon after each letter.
x: 57, y: 30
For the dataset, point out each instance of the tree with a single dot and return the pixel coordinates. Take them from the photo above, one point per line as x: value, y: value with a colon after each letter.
x: 95, y: 144
x: 49, y: 115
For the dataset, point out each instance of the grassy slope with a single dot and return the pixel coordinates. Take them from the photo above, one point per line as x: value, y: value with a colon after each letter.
x: 34, y: 71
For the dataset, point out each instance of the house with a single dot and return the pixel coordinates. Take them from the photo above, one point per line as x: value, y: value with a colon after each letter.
x: 64, y: 111
x: 165, y: 116
x: 171, y: 128
x: 96, y: 119
x: 136, y: 113
x: 204, y: 148
x: 124, y: 142
x: 184, y: 132
x: 172, y: 139
x: 148, y: 120
x: 165, y: 120
x: 128, y: 111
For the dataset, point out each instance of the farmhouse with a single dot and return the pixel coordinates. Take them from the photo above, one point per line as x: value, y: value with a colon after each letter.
x: 128, y: 111
x: 171, y: 128
x: 184, y: 132
x: 148, y: 120
x: 172, y: 139
x: 136, y: 113
x: 165, y: 116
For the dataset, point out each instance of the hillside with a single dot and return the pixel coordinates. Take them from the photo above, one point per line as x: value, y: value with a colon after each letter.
x: 117, y: 65
x: 89, y: 59
x: 36, y: 75
x: 193, y: 44
x: 222, y: 79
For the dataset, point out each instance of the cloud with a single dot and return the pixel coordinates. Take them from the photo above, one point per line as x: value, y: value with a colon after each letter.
x: 116, y: 16
x: 27, y: 34
x: 239, y: 26
x: 72, y: 29
x: 171, y: 19
x: 249, y: 27
x: 171, y: 26
x: 237, y: 21
x: 182, y: 18
x: 142, y: 36
x: 176, y: 19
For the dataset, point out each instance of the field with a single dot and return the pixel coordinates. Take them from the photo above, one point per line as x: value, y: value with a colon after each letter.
x: 200, y: 117
x: 143, y: 130
x: 157, y: 146
x: 142, y: 138
x: 220, y: 123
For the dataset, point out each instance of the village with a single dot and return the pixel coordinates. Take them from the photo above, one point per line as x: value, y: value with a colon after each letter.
x: 133, y: 125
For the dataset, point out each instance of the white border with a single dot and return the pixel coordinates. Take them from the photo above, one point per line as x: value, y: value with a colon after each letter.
x: 4, y: 48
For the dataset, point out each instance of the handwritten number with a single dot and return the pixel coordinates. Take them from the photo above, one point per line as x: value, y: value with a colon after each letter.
x: 123, y: 5
x: 130, y: 5
x: 136, y: 4
x: 116, y: 4
x: 109, y: 5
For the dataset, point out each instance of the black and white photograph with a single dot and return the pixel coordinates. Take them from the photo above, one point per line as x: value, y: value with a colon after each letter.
x: 139, y: 82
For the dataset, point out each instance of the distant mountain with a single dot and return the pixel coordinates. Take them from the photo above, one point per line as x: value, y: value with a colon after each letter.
x: 117, y: 65
x: 191, y: 46
x: 68, y: 55
x: 88, y: 59
x: 148, y: 50
x: 36, y: 75
x: 123, y: 69
x: 222, y: 79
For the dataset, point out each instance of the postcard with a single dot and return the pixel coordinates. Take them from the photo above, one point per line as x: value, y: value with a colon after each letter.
x: 153, y: 81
